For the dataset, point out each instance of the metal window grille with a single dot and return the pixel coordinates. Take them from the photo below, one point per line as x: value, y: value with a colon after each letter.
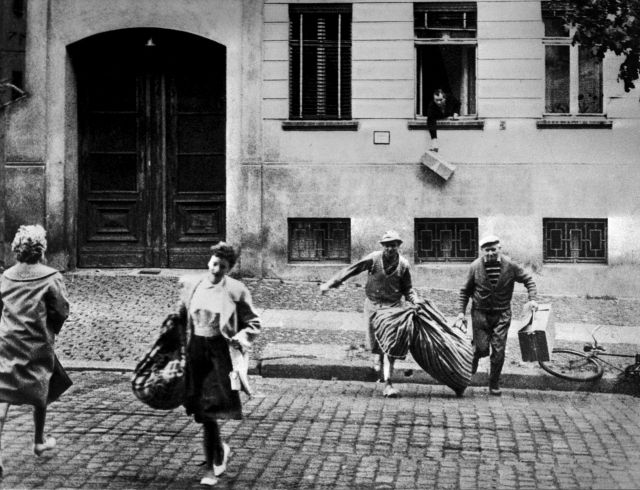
x: 446, y: 239
x: 445, y: 20
x: 320, y: 61
x: 314, y: 239
x: 575, y: 240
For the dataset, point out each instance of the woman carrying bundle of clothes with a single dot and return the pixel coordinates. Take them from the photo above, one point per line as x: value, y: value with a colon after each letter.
x: 221, y: 326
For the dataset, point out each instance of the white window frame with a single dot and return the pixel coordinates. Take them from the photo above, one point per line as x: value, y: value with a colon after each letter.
x: 574, y: 73
x: 419, y: 85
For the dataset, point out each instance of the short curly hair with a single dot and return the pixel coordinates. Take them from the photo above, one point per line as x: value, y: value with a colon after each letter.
x: 29, y: 244
x: 225, y: 251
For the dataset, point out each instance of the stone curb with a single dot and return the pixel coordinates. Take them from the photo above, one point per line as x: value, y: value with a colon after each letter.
x: 359, y: 370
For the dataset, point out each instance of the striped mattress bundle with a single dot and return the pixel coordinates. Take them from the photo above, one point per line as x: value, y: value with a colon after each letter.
x: 443, y: 351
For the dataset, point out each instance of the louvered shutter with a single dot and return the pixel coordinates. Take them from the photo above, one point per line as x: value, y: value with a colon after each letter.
x: 320, y: 61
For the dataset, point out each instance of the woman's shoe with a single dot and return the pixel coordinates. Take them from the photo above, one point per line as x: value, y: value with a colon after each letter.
x: 48, y: 444
x: 218, y: 470
x: 390, y: 392
x: 209, y: 479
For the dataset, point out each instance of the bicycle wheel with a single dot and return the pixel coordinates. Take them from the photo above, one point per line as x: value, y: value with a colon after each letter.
x: 572, y: 365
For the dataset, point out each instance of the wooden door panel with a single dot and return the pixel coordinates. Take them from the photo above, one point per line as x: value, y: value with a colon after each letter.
x: 113, y: 221
x: 111, y: 210
x: 196, y: 159
x: 152, y: 149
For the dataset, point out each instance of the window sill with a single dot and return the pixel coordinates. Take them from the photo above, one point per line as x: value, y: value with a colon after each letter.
x: 573, y: 123
x: 318, y: 263
x: 439, y: 264
x: 320, y: 125
x: 457, y: 124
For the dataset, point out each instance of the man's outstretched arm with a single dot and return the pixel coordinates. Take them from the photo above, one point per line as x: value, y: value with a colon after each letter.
x: 362, y: 265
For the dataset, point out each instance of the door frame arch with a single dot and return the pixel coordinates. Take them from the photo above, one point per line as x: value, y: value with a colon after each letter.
x: 74, y: 66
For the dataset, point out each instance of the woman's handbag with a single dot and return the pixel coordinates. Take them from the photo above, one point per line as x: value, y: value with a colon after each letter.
x: 59, y: 381
x: 159, y: 378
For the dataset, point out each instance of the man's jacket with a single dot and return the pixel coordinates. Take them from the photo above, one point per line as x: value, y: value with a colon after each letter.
x: 484, y: 295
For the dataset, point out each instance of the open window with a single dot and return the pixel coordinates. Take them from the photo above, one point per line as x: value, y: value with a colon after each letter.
x: 446, y: 41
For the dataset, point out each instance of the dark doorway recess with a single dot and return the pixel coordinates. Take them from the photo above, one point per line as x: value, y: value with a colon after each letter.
x: 152, y: 129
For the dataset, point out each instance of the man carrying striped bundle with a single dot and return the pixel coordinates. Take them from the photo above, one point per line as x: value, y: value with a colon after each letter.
x: 389, y: 280
x: 490, y: 284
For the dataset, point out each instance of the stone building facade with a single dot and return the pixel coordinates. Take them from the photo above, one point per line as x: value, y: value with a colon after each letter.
x: 296, y: 130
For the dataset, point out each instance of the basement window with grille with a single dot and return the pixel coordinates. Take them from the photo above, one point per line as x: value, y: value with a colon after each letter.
x: 446, y: 239
x: 575, y: 240
x: 319, y: 239
x: 320, y: 62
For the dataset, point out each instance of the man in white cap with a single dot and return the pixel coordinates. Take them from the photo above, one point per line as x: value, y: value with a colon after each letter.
x: 490, y: 284
x: 389, y: 280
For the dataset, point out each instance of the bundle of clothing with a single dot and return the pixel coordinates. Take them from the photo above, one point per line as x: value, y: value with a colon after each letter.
x: 443, y: 351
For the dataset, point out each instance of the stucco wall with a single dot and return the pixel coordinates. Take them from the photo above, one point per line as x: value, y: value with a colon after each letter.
x: 510, y: 174
x: 42, y: 130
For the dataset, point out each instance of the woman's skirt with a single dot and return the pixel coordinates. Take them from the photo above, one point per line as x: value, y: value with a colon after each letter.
x: 209, y: 394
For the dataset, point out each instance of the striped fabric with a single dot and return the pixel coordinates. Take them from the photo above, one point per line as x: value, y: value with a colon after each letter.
x: 443, y: 351
x: 493, y: 272
x: 393, y: 329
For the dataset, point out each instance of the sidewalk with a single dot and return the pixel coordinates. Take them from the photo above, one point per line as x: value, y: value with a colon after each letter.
x: 350, y: 362
x: 116, y: 316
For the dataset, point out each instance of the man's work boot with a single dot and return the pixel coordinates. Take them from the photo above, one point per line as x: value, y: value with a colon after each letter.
x: 494, y: 380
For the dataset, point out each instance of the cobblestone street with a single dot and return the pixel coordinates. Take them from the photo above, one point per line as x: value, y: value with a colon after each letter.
x: 315, y: 434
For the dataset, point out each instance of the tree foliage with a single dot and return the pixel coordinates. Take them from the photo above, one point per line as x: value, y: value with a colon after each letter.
x: 603, y: 25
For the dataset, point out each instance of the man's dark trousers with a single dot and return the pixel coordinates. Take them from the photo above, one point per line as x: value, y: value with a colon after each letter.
x: 490, y: 328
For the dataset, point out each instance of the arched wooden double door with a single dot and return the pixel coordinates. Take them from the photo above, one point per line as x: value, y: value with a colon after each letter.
x: 151, y: 121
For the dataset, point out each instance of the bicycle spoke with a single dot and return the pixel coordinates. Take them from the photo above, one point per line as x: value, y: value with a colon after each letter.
x: 572, y: 365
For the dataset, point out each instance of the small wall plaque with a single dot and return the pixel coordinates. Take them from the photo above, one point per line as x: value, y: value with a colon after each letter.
x: 381, y: 137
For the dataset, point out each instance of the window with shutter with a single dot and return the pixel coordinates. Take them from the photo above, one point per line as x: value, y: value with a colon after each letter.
x: 320, y: 62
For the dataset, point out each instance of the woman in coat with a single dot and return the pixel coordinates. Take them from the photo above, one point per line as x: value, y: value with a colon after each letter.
x: 34, y: 307
x: 221, y: 326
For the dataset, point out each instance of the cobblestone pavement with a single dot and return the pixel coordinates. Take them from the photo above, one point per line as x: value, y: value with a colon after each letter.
x: 324, y: 434
x: 116, y: 318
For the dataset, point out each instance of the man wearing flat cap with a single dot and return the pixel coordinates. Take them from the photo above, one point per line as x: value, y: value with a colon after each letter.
x: 489, y: 285
x: 389, y: 280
